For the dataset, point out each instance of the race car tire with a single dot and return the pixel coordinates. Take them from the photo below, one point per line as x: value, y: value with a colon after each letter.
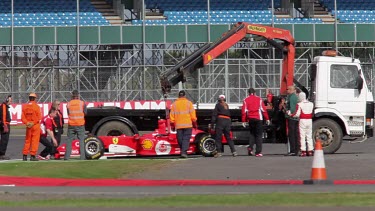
x: 114, y: 128
x: 94, y: 148
x: 206, y: 145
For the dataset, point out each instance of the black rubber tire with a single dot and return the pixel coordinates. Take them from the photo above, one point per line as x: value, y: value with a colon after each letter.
x: 94, y: 148
x: 206, y: 145
x: 114, y: 128
x: 330, y: 134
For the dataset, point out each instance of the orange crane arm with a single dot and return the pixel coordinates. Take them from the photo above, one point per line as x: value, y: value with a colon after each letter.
x: 208, y: 52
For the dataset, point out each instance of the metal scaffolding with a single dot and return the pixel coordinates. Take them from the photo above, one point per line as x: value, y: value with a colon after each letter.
x: 131, y: 72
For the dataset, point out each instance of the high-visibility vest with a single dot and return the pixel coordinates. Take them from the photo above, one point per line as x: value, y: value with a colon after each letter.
x: 76, y: 112
x: 182, y: 113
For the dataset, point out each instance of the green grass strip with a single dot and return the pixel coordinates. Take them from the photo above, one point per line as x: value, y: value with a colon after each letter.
x: 273, y: 199
x: 74, y: 169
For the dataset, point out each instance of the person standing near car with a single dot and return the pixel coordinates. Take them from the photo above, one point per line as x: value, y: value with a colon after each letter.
x: 304, y: 111
x: 183, y: 119
x: 5, y: 127
x: 31, y: 116
x: 76, y: 124
x: 252, y: 109
x: 221, y: 117
x: 292, y: 121
x: 59, y: 122
x: 47, y: 127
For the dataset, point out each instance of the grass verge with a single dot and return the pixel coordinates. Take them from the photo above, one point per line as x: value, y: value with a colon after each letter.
x: 273, y: 199
x: 111, y: 169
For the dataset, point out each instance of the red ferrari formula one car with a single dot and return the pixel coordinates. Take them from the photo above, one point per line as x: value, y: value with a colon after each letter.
x: 162, y: 141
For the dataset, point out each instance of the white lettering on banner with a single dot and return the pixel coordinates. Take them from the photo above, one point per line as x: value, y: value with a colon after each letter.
x: 109, y: 104
x: 16, y: 109
x: 139, y: 105
x: 157, y: 106
x: 127, y: 105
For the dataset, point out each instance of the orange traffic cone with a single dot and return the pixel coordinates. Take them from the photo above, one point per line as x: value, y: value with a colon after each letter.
x: 318, y: 171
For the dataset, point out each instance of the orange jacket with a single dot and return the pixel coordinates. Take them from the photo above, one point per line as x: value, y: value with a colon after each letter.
x: 76, y: 112
x: 182, y: 113
x: 31, y: 113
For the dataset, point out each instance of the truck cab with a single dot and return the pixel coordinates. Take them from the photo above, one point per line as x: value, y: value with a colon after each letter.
x: 343, y: 103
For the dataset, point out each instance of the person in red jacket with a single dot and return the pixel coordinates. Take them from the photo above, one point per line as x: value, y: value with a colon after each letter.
x: 46, y: 129
x: 252, y: 109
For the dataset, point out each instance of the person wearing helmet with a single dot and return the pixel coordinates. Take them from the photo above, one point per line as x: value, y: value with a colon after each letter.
x: 221, y: 117
x: 76, y: 124
x: 31, y: 117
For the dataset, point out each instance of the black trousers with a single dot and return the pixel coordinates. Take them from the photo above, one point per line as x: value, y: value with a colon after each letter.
x: 223, y: 126
x: 183, y: 138
x: 4, y: 141
x: 256, y: 133
x: 293, y: 135
x: 58, y: 139
x: 48, y: 146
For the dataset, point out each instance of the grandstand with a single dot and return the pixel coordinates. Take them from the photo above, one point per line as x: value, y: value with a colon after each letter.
x: 116, y: 55
x: 50, y: 13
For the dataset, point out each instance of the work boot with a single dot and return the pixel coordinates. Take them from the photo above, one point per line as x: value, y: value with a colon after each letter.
x: 4, y: 157
x: 33, y: 158
x: 250, y: 152
x: 183, y: 155
x: 310, y: 153
x: 24, y: 157
x: 303, y: 154
x: 218, y: 155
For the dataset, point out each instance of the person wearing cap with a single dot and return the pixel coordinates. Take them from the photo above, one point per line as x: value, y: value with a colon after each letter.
x: 304, y: 110
x: 31, y: 117
x: 252, y: 109
x: 221, y: 117
x: 5, y: 119
x: 76, y: 125
x: 183, y: 119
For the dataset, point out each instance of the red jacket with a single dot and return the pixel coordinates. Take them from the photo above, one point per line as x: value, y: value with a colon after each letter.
x: 252, y: 108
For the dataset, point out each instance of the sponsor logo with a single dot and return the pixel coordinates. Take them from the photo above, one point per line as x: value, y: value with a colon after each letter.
x: 115, y: 140
x: 147, y: 144
x: 209, y: 58
x: 163, y: 148
x: 277, y: 31
x: 257, y: 29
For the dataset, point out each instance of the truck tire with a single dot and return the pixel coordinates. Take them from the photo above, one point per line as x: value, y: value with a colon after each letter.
x: 330, y: 134
x: 94, y: 148
x: 206, y: 145
x: 114, y: 128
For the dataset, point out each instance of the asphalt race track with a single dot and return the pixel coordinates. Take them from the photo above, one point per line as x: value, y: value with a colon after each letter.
x: 352, y: 166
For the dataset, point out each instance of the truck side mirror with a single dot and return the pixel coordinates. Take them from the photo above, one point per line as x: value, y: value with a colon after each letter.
x: 359, y: 83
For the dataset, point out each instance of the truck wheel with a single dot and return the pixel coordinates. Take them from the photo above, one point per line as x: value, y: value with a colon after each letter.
x: 94, y: 148
x: 114, y: 128
x: 330, y: 134
x: 206, y: 145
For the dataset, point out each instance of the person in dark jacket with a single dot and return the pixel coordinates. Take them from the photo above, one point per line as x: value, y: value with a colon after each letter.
x: 5, y: 119
x: 221, y: 117
x: 293, y: 128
